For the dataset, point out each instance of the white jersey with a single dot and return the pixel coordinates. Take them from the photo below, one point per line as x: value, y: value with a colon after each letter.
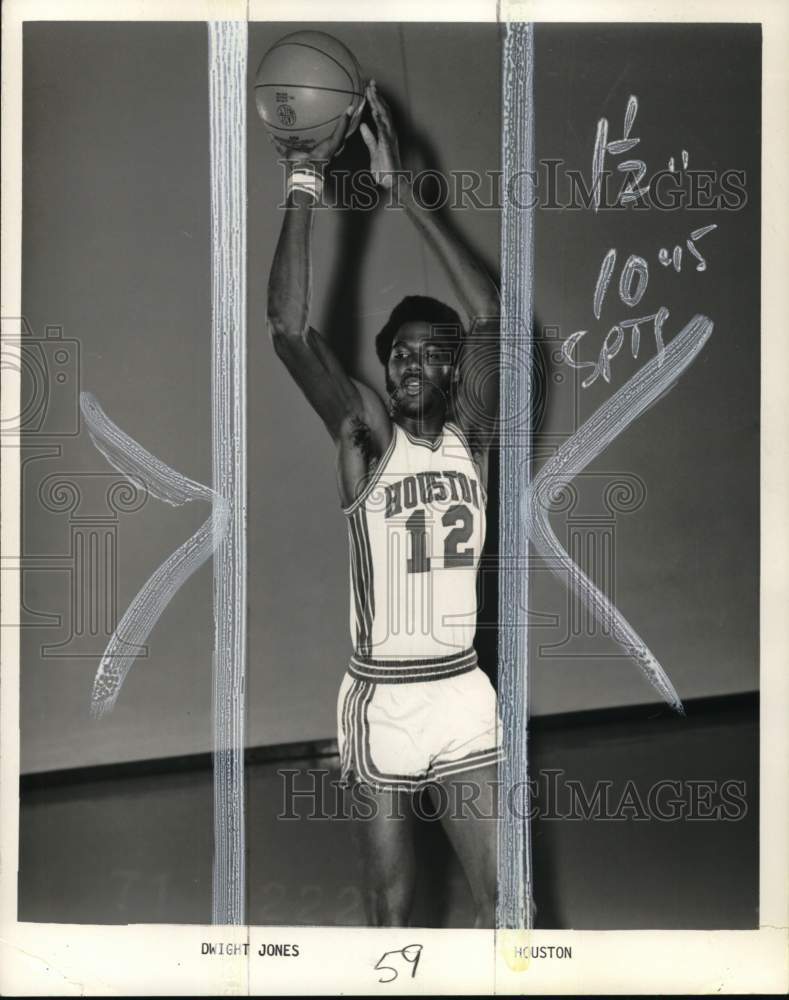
x: 416, y: 534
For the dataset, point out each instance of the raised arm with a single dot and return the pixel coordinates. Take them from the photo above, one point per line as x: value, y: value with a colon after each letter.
x: 353, y: 414
x: 477, y: 396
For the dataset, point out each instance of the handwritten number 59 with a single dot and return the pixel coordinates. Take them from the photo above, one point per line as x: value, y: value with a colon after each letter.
x: 410, y: 954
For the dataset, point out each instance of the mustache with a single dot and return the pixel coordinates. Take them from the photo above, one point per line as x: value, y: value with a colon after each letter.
x: 396, y: 390
x: 423, y: 379
x: 393, y: 388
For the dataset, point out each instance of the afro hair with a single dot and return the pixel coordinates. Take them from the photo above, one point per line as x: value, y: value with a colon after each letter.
x: 412, y: 309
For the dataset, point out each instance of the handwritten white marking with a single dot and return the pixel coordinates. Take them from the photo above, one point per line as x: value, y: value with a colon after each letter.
x: 635, y: 267
x: 132, y: 460
x: 592, y: 438
x: 603, y: 278
x: 630, y: 193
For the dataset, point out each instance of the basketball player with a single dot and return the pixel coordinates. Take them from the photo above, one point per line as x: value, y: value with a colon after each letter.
x: 414, y: 709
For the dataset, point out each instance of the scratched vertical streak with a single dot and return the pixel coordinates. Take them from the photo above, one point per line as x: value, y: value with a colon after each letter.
x: 227, y: 60
x: 517, y: 258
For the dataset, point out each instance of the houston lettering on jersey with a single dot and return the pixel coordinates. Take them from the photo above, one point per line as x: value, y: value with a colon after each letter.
x: 430, y: 487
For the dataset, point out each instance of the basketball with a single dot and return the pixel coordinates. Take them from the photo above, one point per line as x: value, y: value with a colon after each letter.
x: 303, y: 85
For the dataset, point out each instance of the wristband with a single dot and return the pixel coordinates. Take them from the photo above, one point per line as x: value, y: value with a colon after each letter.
x: 307, y: 179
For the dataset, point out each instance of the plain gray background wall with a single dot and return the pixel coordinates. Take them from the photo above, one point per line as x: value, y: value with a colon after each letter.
x: 116, y: 252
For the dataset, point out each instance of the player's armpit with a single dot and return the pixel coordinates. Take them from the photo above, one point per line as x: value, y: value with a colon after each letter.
x: 375, y: 417
x: 363, y: 442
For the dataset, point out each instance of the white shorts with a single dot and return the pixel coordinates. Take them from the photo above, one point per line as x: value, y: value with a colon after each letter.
x: 406, y: 735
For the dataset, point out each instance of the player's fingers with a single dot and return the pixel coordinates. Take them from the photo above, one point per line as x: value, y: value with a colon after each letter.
x: 380, y: 100
x: 358, y: 112
x: 382, y: 116
x: 384, y: 112
x: 373, y: 98
x: 369, y: 139
x: 377, y: 98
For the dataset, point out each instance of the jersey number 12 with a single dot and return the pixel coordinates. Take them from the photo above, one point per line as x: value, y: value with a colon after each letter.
x: 461, y: 519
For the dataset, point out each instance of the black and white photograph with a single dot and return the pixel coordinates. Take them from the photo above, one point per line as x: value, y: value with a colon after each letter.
x: 386, y: 415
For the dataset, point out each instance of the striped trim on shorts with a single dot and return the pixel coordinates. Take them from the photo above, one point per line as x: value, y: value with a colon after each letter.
x: 357, y: 761
x: 382, y: 671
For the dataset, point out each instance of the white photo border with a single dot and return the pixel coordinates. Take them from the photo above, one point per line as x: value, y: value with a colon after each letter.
x: 48, y: 959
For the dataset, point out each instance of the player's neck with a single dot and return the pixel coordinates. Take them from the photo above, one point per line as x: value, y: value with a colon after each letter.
x: 428, y: 429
